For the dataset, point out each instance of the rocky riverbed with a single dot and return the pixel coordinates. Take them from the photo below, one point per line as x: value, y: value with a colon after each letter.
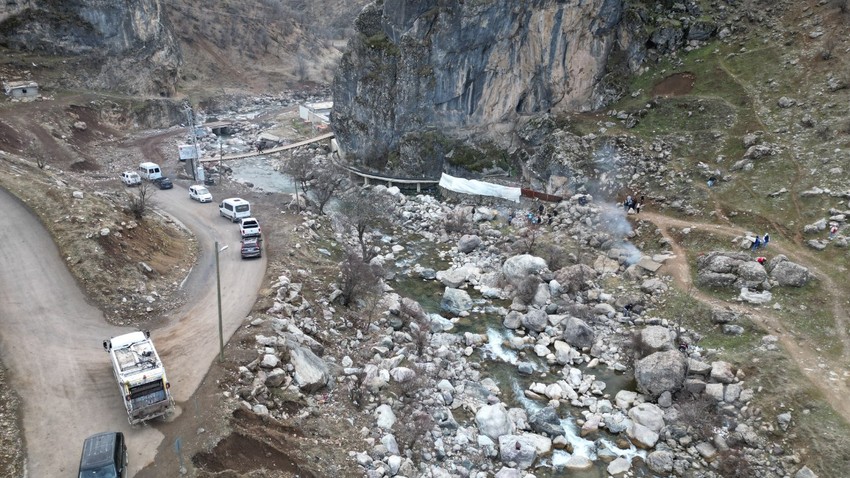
x: 502, y: 374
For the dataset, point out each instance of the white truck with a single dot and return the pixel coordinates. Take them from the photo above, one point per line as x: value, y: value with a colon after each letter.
x: 141, y: 376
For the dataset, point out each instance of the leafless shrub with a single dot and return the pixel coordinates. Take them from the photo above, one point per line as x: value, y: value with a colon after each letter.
x: 526, y: 243
x: 419, y: 382
x: 418, y: 424
x: 700, y: 413
x: 554, y: 255
x: 635, y: 348
x: 137, y: 202
x: 456, y: 221
x: 357, y: 279
x: 420, y: 332
x: 733, y: 463
x: 829, y: 44
x: 823, y: 132
x: 36, y: 153
x: 527, y: 289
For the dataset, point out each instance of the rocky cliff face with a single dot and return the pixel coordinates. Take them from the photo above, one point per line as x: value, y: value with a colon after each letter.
x: 426, y: 66
x: 129, y: 42
x: 429, y: 81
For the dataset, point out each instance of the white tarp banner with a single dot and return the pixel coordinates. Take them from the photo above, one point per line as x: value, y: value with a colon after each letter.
x: 472, y: 186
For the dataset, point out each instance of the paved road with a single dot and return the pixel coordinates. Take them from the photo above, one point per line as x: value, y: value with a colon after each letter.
x: 50, y: 336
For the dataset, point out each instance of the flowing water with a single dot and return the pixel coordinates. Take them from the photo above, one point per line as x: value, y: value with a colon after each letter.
x: 498, y: 358
x: 259, y: 171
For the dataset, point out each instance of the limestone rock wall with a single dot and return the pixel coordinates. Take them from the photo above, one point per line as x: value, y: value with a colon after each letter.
x: 130, y: 41
x: 429, y: 65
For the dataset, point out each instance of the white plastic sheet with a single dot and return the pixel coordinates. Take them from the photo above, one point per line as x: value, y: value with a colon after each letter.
x: 473, y: 186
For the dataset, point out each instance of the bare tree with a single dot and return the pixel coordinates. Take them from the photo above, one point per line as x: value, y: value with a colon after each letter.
x: 529, y: 237
x: 36, y: 153
x: 327, y: 184
x: 357, y: 280
x: 137, y: 201
x: 302, y: 65
x: 300, y: 168
x: 829, y: 44
x: 363, y: 212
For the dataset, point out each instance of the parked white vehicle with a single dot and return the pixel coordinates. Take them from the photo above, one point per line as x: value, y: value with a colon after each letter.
x: 131, y: 178
x: 200, y: 193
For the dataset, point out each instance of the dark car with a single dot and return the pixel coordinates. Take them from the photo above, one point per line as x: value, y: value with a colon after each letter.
x: 252, y: 247
x: 164, y: 183
x: 104, y: 456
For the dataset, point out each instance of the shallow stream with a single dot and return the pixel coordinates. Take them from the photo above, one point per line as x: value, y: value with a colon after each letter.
x: 497, y: 359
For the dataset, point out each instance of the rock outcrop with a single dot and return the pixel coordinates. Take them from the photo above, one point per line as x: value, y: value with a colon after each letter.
x: 415, y: 67
x: 421, y: 76
x: 132, y: 40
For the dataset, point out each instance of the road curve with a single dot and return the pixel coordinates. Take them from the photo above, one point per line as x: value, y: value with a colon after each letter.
x: 50, y: 336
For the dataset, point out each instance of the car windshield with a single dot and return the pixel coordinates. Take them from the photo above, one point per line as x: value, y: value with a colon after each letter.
x: 201, y: 191
x: 106, y: 471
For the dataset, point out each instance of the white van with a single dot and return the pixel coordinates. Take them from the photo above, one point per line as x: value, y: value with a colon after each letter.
x: 234, y: 209
x: 150, y: 171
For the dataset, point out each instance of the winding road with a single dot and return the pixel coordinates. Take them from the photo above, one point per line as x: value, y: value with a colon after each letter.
x: 50, y: 335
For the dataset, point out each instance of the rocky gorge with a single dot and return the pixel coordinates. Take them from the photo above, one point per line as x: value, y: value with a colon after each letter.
x: 427, y: 381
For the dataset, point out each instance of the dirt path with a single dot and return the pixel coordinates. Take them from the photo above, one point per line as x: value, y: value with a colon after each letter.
x: 50, y: 338
x: 801, y: 349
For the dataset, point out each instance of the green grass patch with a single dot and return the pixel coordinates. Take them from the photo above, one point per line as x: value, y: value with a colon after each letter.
x: 818, y: 434
x: 808, y: 312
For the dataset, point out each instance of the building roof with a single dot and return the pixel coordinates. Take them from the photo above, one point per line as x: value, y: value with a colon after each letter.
x: 14, y: 85
x: 324, y: 105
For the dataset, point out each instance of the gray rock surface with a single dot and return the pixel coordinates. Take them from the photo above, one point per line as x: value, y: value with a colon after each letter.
x: 493, y: 421
x: 311, y: 372
x: 455, y: 301
x: 577, y: 333
x: 660, y: 372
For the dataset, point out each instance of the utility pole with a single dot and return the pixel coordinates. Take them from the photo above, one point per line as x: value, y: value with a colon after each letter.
x: 218, y: 291
x: 190, y: 115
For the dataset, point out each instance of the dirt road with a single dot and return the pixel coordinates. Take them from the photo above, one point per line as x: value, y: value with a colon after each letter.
x: 50, y: 338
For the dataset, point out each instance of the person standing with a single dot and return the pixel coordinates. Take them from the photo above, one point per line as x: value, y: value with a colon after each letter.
x: 765, y: 240
x: 756, y: 243
x: 639, y: 205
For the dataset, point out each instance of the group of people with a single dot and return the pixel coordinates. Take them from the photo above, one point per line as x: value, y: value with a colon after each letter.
x: 540, y: 217
x: 760, y: 242
x: 631, y: 204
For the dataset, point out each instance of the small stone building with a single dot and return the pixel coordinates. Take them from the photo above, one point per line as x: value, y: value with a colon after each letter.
x: 21, y: 89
